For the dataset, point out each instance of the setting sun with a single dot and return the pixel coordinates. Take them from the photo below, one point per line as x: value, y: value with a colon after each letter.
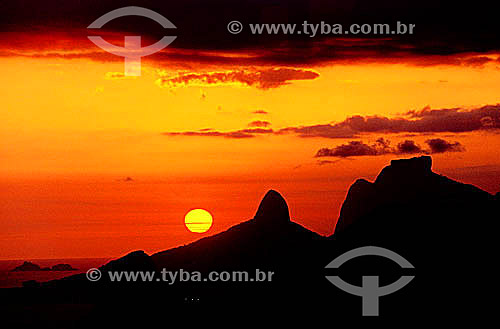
x: 198, y: 220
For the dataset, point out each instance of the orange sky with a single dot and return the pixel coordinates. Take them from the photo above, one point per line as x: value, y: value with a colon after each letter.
x: 74, y: 129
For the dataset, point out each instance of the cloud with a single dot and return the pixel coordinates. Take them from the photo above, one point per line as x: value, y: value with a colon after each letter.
x: 438, y: 145
x: 356, y: 149
x: 238, y: 134
x: 409, y: 147
x: 126, y: 179
x: 383, y: 146
x: 439, y: 38
x: 260, y: 112
x: 293, y: 53
x: 413, y: 123
x: 326, y: 162
x: 233, y: 134
x: 325, y: 131
x: 427, y: 120
x: 262, y: 79
x: 256, y: 131
x: 259, y: 123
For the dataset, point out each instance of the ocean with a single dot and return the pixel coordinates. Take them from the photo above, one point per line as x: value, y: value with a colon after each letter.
x: 9, y: 279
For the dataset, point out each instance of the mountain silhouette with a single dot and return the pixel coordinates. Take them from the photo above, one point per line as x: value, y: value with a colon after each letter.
x: 406, y: 182
x: 444, y: 228
x: 268, y: 240
x: 273, y: 210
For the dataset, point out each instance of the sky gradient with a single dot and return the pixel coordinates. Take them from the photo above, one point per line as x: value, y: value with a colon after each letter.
x: 96, y: 164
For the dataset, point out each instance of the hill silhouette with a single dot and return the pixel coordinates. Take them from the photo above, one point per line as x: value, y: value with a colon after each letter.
x: 442, y: 227
x: 446, y: 229
x: 268, y: 240
x: 408, y: 182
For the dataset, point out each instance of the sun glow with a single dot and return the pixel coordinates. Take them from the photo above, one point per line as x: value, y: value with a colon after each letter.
x: 198, y: 220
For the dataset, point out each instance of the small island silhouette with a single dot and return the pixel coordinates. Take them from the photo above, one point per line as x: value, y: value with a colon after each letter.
x: 32, y: 267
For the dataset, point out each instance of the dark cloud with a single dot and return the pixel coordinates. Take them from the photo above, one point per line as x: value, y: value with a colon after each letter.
x: 424, y: 121
x: 414, y: 123
x: 325, y: 131
x: 292, y: 54
x: 259, y: 123
x: 409, y: 147
x: 478, y: 61
x: 233, y: 134
x: 325, y: 162
x: 263, y: 79
x: 356, y: 149
x: 438, y: 145
x: 238, y: 134
x: 127, y: 179
x: 260, y: 112
x: 440, y: 37
x: 382, y: 146
x: 257, y: 131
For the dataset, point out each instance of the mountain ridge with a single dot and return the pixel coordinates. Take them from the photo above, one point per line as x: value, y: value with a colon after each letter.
x: 402, y: 182
x: 429, y: 219
x: 271, y: 226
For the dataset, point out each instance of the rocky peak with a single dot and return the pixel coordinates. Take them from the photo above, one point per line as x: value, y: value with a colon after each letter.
x: 272, y: 209
x: 422, y: 163
x: 408, y: 169
x: 404, y: 179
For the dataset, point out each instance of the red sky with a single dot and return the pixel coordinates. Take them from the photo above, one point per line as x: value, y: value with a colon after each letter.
x: 216, y: 126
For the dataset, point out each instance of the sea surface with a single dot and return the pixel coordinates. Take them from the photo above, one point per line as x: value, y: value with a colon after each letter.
x: 9, y: 279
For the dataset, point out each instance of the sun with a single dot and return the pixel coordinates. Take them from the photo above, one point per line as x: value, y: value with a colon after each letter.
x: 198, y: 220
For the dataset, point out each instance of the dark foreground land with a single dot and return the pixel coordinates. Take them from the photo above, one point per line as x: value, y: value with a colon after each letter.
x: 444, y: 228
